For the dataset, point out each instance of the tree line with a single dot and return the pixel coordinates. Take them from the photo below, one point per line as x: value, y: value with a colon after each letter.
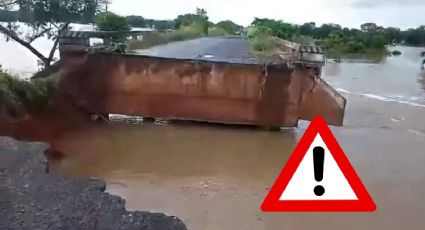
x: 199, y: 18
x: 47, y: 18
x: 93, y: 7
x: 343, y: 39
x: 184, y: 27
x: 27, y: 11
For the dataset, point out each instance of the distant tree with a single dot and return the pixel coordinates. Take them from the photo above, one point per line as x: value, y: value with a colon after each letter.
x: 346, y: 31
x: 185, y: 20
x: 275, y: 28
x: 109, y: 21
x: 378, y: 42
x: 326, y: 29
x: 229, y: 26
x: 199, y: 20
x: 136, y: 21
x: 415, y: 37
x: 369, y: 27
x: 308, y: 29
x: 394, y: 35
x: 44, y: 18
x: 202, y: 13
x: 355, y: 47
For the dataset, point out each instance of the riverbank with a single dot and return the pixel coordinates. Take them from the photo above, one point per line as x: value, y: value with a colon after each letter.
x: 32, y: 198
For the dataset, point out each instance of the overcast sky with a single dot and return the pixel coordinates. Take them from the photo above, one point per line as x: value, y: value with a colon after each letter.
x: 352, y: 13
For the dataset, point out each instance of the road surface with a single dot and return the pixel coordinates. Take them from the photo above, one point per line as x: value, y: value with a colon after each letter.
x: 232, y: 49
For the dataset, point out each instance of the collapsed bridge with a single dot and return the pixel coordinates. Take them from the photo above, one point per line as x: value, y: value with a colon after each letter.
x: 173, y: 83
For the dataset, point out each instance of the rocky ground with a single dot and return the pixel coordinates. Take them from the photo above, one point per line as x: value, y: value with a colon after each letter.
x: 32, y: 198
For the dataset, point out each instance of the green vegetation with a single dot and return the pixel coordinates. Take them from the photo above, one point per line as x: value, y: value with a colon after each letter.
x: 274, y: 28
x: 199, y: 21
x: 263, y: 45
x: 187, y: 26
x: 371, y: 41
x: 229, y: 27
x: 108, y: 21
x: 414, y: 37
x: 44, y: 18
x: 19, y: 96
x: 47, y: 18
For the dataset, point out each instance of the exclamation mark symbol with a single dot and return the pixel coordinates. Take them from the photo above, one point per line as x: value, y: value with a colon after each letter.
x: 319, y: 160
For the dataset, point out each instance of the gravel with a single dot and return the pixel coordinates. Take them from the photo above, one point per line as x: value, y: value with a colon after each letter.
x: 32, y: 198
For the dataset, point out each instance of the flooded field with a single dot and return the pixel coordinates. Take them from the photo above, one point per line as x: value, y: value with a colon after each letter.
x: 216, y: 177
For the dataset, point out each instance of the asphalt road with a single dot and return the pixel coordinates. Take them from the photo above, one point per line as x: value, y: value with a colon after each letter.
x: 232, y: 49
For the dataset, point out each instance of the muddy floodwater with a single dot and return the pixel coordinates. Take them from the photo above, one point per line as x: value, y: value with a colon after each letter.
x: 216, y: 177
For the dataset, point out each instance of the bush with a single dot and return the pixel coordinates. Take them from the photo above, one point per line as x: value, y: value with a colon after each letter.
x: 10, y: 105
x: 275, y: 28
x: 378, y: 42
x: 355, y: 47
x: 19, y: 95
x: 109, y: 21
x: 263, y: 45
x: 251, y: 32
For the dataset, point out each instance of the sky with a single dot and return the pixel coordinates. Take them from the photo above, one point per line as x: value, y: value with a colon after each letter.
x: 349, y: 13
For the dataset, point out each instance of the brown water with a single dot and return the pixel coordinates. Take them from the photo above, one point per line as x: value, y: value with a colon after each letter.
x: 216, y: 177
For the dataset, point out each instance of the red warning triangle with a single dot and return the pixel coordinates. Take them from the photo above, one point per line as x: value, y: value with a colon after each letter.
x: 295, y: 188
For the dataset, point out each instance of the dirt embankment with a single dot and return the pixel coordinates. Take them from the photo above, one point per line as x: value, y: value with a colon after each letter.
x: 32, y: 198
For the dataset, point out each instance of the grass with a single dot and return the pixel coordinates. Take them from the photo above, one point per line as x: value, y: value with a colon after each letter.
x: 18, y: 97
x: 262, y: 46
